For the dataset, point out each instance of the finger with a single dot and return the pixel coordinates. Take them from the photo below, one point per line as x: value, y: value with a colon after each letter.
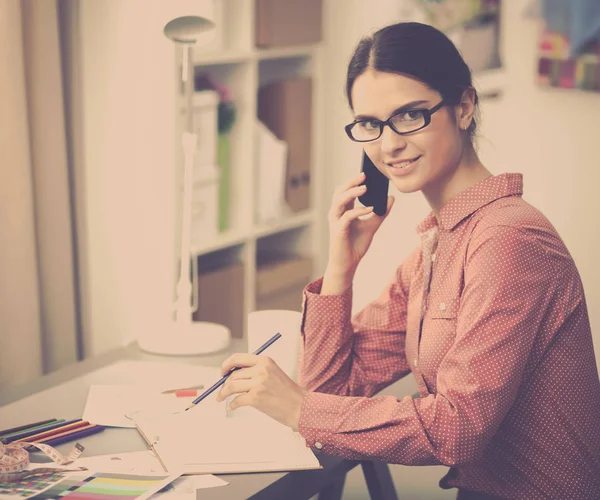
x: 235, y: 387
x: 239, y: 360
x: 352, y: 215
x: 241, y: 400
x: 345, y: 201
x: 355, y: 181
x: 373, y: 223
x: 243, y: 373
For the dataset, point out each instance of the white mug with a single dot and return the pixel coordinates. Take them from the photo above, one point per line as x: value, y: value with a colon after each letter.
x: 262, y: 325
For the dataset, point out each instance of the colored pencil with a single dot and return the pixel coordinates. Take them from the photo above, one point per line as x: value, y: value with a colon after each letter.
x: 68, y: 426
x: 25, y: 427
x: 218, y: 384
x: 58, y: 434
x: 77, y: 434
x: 17, y: 436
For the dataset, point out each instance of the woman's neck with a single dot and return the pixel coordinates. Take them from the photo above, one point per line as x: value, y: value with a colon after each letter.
x: 469, y: 172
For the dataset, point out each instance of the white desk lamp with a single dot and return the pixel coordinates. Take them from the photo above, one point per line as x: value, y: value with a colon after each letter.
x: 189, y: 21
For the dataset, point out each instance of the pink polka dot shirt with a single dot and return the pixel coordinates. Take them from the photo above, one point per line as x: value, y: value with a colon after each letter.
x: 489, y: 315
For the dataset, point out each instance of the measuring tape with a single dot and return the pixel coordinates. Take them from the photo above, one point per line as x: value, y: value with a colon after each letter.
x: 15, y: 459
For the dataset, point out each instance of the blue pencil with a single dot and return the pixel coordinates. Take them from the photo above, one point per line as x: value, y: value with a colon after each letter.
x: 77, y: 434
x: 218, y: 384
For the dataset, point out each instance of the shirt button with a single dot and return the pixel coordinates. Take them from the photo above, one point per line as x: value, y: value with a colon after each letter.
x: 442, y: 306
x: 415, y: 362
x: 432, y: 257
x: 318, y: 445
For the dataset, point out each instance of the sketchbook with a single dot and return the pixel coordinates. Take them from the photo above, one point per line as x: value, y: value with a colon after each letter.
x: 196, y: 443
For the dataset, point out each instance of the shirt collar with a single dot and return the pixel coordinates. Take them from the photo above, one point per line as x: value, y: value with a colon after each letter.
x: 472, y: 199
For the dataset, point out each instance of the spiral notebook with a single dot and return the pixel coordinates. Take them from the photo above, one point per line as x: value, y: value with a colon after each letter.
x: 194, y: 444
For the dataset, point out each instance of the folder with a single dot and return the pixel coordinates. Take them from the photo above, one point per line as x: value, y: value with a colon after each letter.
x: 192, y: 443
x: 285, y: 107
x: 281, y: 23
x: 272, y: 162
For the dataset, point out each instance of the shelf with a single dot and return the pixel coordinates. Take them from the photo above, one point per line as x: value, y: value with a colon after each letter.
x: 224, y: 240
x: 291, y: 222
x: 222, y: 57
x: 285, y: 52
x: 233, y: 56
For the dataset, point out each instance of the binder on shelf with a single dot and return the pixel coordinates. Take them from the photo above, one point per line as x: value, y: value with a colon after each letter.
x: 280, y: 282
x: 221, y: 297
x: 281, y: 23
x: 272, y: 161
x: 285, y: 107
x: 223, y: 159
x: 205, y: 105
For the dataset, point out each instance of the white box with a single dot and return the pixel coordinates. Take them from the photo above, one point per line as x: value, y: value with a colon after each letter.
x: 205, y: 121
x: 205, y: 205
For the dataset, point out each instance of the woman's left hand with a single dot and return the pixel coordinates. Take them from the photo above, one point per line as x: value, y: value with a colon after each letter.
x: 260, y: 383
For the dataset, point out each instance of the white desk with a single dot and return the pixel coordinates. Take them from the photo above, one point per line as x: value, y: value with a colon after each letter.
x: 63, y: 394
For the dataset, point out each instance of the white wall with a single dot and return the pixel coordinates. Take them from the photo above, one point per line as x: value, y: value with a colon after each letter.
x: 551, y: 136
x: 128, y: 82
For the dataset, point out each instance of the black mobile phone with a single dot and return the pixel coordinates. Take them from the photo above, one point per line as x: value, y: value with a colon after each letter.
x: 377, y: 187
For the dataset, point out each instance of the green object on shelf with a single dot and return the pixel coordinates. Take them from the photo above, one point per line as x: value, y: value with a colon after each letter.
x: 223, y: 161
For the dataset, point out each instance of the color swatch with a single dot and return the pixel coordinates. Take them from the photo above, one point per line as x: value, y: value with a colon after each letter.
x: 105, y: 486
x: 31, y: 482
x: 58, y: 484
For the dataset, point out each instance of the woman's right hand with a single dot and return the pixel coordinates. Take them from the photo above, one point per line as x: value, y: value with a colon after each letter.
x: 349, y: 235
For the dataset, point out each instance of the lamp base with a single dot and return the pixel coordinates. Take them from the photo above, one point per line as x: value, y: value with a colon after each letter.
x: 191, y: 339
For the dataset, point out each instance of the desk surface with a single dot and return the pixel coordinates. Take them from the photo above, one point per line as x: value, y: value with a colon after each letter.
x: 63, y: 394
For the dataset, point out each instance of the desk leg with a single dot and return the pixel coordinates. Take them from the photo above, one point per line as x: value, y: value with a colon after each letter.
x: 333, y: 491
x: 379, y: 481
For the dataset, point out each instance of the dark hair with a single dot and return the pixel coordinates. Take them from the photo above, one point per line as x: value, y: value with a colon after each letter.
x: 419, y: 51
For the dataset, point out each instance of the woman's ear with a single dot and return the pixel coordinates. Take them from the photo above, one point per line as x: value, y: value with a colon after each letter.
x: 466, y: 109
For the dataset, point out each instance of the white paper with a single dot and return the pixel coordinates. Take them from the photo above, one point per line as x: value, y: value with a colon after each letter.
x: 184, y: 488
x: 118, y: 405
x: 138, y: 462
x: 146, y: 463
x: 138, y: 387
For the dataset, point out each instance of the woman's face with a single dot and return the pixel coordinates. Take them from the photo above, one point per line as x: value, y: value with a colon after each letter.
x: 434, y: 151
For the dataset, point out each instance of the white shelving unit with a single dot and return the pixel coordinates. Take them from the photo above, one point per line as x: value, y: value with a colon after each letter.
x: 244, y: 68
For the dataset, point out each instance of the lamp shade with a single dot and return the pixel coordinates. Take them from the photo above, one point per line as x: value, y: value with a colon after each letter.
x: 187, y: 21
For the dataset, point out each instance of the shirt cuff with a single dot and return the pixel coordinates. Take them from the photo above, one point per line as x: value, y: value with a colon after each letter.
x: 338, y: 308
x: 319, y: 415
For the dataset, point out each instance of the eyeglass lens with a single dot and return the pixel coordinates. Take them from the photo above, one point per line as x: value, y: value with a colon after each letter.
x: 404, y: 123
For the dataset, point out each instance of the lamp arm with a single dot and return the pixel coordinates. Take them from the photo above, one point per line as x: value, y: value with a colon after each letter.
x: 184, y: 286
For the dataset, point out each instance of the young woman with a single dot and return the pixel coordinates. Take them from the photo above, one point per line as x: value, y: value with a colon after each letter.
x: 488, y: 313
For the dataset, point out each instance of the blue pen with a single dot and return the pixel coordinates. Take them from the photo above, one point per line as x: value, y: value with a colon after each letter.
x: 218, y: 384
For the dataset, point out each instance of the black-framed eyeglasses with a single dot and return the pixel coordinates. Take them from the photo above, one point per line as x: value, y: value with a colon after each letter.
x: 404, y: 122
